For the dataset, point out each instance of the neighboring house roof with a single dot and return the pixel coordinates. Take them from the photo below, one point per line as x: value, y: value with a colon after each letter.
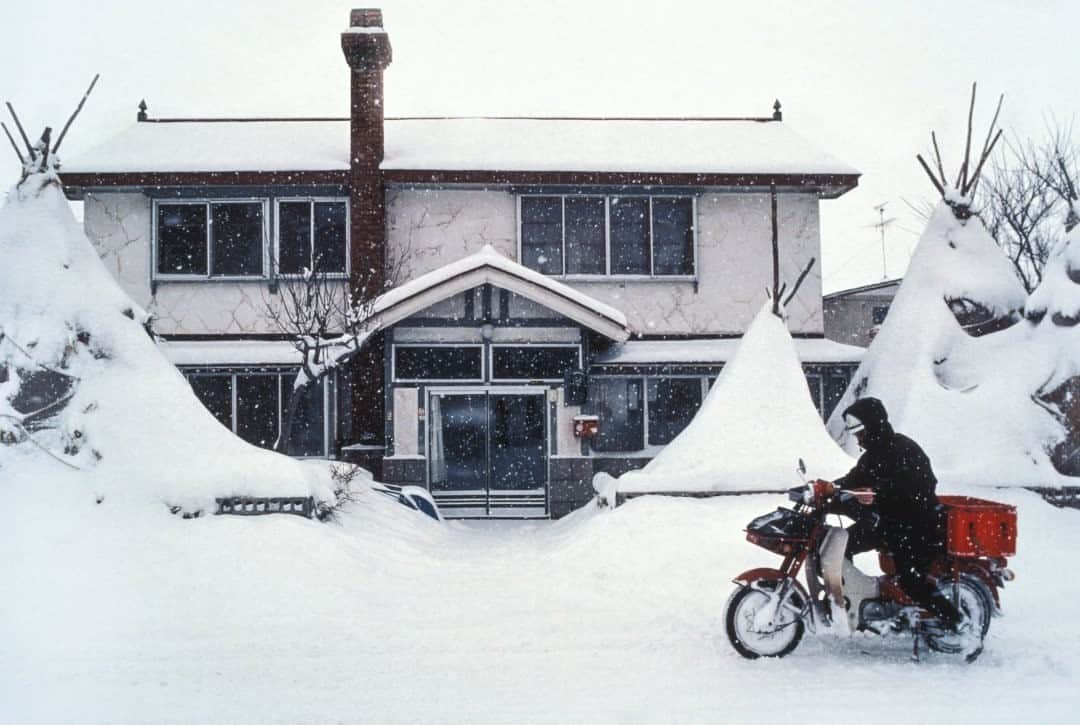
x: 720, y: 151
x: 865, y: 288
x: 642, y: 352
x: 488, y: 266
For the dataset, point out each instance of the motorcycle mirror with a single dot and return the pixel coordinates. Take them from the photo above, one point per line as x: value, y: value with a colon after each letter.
x: 802, y: 466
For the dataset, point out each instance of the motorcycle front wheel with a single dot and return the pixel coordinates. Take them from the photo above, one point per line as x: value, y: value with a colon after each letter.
x: 756, y: 627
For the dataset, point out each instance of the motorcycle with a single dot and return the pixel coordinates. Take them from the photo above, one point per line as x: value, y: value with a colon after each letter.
x: 769, y: 611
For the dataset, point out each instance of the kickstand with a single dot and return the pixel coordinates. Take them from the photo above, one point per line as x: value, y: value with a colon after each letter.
x: 915, y: 624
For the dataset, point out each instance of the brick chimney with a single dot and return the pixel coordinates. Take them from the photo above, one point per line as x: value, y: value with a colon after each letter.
x: 367, y: 50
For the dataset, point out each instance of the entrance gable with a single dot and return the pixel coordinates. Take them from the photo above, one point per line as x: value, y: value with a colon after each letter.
x: 527, y: 292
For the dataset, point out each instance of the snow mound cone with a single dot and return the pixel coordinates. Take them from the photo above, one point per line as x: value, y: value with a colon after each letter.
x: 753, y: 427
x: 963, y: 391
x: 84, y: 391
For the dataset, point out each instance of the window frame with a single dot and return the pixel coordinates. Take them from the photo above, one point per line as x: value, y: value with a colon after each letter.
x: 441, y: 381
x: 608, y: 275
x: 207, y: 203
x: 491, y: 360
x: 275, y: 252
x: 284, y: 374
x: 647, y: 449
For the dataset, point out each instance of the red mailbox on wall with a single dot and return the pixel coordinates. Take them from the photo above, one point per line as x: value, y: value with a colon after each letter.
x: 586, y: 426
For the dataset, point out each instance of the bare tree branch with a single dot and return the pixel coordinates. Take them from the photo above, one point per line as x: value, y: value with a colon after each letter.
x: 18, y: 125
x: 63, y: 131
x: 799, y: 281
x: 933, y: 180
x: 15, y: 146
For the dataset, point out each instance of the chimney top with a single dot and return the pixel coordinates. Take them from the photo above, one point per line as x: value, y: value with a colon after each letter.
x: 365, y: 18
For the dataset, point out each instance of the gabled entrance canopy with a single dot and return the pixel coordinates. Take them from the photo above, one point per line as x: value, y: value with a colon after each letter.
x: 488, y: 266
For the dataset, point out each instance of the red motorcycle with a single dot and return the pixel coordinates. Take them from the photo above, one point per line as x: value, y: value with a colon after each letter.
x: 770, y: 610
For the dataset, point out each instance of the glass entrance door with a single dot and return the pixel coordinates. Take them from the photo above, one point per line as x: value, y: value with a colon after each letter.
x: 488, y: 453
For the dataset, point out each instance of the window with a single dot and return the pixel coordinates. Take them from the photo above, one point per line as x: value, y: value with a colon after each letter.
x: 648, y: 236
x: 640, y: 412
x: 252, y: 403
x: 210, y: 239
x: 312, y: 234
x: 672, y: 404
x: 827, y: 386
x: 878, y: 314
x: 435, y: 362
x: 533, y: 362
x: 618, y: 403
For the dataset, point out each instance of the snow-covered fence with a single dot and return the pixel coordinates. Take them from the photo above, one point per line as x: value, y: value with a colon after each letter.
x: 1064, y: 497
x: 249, y: 506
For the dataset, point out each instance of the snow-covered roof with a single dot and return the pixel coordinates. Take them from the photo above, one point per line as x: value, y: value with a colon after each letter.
x: 230, y: 352
x: 642, y: 352
x: 489, y: 266
x: 873, y: 287
x: 465, y: 144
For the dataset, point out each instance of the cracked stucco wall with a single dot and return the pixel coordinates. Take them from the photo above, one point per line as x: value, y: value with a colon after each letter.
x: 432, y: 227
x: 118, y: 225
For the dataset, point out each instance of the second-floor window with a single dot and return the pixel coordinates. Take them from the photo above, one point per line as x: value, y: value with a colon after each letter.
x: 231, y: 238
x: 312, y: 234
x: 634, y: 236
x: 211, y: 238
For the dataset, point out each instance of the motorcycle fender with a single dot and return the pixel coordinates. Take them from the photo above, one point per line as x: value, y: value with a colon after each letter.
x: 760, y: 574
x: 987, y: 580
x: 766, y: 574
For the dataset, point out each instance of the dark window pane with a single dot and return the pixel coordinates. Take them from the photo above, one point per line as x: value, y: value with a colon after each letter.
x: 618, y: 403
x: 541, y: 233
x: 878, y: 314
x: 585, y: 252
x: 672, y: 405
x: 215, y: 392
x: 629, y: 235
x: 437, y: 363
x: 533, y: 362
x: 813, y: 381
x: 181, y: 238
x: 294, y: 237
x: 330, y: 240
x: 257, y: 409
x: 238, y: 239
x: 307, y: 425
x: 836, y: 383
x: 673, y: 235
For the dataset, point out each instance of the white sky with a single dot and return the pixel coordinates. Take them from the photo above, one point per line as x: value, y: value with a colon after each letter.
x: 866, y: 81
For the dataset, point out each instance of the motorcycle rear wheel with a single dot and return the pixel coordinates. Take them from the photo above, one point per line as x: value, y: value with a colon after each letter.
x: 976, y: 604
x: 779, y: 639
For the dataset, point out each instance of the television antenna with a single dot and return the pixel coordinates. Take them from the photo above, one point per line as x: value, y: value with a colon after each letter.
x: 881, y: 225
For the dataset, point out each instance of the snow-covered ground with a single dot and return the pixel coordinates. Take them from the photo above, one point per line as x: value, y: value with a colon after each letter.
x: 132, y: 615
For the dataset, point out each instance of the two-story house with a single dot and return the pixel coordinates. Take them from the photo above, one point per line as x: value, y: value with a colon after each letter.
x: 557, y: 274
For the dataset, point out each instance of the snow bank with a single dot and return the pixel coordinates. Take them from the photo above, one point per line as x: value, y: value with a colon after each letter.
x: 753, y: 427
x: 967, y: 400
x: 130, y: 426
x: 389, y: 614
x: 1054, y: 309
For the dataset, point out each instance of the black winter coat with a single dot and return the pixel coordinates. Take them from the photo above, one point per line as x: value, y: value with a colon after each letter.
x: 896, y: 468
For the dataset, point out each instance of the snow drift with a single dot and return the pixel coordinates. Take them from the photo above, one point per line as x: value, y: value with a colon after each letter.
x: 753, y: 427
x: 85, y: 392
x: 965, y: 396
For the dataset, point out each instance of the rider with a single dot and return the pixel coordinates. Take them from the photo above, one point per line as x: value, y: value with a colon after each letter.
x: 902, y: 506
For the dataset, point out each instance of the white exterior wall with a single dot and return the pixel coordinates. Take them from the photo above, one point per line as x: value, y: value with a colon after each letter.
x: 119, y: 226
x: 431, y: 227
